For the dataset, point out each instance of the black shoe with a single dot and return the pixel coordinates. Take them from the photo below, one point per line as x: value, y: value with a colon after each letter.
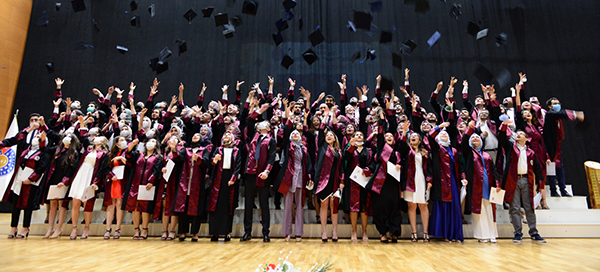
x: 214, y: 238
x: 565, y: 194
x: 194, y: 239
x: 247, y: 237
x: 554, y: 194
x: 181, y: 238
x: 537, y: 238
x: 334, y: 240
x: 518, y: 238
x: 227, y: 238
x: 324, y: 240
x: 266, y: 238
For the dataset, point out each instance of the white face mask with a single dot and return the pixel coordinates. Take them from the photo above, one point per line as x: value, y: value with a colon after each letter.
x: 150, y: 134
x: 97, y: 140
x: 75, y: 105
x: 35, y: 141
x: 66, y: 140
x: 125, y: 133
x: 150, y: 145
x: 358, y: 143
x: 146, y: 124
x: 122, y: 145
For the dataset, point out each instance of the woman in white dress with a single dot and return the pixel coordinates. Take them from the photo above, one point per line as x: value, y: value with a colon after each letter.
x: 479, y: 169
x: 91, y: 171
x: 417, y: 180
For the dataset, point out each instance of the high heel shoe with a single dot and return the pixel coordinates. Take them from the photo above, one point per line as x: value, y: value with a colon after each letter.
x: 13, y: 234
x: 146, y: 236
x: 425, y: 237
x: 107, y: 234
x: 413, y: 237
x: 136, y: 235
x: 227, y: 238
x: 394, y: 239
x: 182, y: 238
x: 171, y: 236
x: 163, y: 237
x: 298, y: 238
x: 288, y: 237
x: 86, y: 232
x: 21, y: 236
x: 48, y: 233
x: 73, y: 236
x: 57, y: 233
x: 324, y: 239
x: 117, y: 234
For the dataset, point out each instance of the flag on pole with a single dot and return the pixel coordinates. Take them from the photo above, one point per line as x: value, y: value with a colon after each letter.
x: 8, y: 158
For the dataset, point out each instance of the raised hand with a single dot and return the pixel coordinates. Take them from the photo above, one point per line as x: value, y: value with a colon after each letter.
x: 111, y: 89
x: 113, y: 109
x: 522, y: 78
x: 59, y: 82
x: 444, y: 125
x: 181, y: 87
x: 359, y: 93
x: 204, y: 89
x: 403, y: 90
x: 465, y: 83
x: 217, y: 158
x: 155, y: 82
x: 153, y: 90
x: 292, y: 82
x: 406, y: 71
x: 437, y: 88
x: 365, y: 90
x: 42, y: 121
x: 321, y: 96
x: 224, y: 88
x: 453, y: 81
x: 344, y: 78
x: 285, y: 102
x: 143, y: 113
x: 271, y: 80
x: 378, y: 78
x: 131, y: 87
x: 68, y: 101
x: 263, y: 108
x: 57, y: 102
x: 96, y: 92
x: 238, y: 84
x: 119, y: 92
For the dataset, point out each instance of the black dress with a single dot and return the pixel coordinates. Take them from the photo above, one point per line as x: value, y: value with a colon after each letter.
x: 221, y: 221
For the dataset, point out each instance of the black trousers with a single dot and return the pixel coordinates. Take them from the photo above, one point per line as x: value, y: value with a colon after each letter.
x: 386, y: 208
x: 16, y: 212
x: 185, y: 220
x: 263, y: 198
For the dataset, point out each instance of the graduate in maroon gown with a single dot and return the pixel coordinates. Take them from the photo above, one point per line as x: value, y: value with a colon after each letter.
x: 191, y: 197
x: 61, y: 170
x: 169, y: 217
x: 22, y: 190
x: 224, y: 188
x: 114, y: 187
x: 147, y: 167
x: 358, y: 155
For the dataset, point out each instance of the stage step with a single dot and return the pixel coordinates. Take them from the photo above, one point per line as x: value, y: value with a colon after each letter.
x: 568, y: 188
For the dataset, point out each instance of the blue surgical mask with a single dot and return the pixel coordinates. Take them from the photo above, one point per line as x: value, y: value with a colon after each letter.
x: 556, y: 107
x: 90, y: 109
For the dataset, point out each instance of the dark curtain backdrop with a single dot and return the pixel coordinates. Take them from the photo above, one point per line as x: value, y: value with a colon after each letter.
x: 554, y: 42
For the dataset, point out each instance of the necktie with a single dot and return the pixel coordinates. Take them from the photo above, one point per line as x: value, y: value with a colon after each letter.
x: 257, y: 153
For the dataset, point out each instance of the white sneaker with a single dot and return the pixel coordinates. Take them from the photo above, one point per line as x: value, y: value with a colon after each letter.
x: 493, y: 240
x: 483, y: 240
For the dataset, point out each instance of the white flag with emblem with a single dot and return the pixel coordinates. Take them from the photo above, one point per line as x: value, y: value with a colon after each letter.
x: 8, y: 158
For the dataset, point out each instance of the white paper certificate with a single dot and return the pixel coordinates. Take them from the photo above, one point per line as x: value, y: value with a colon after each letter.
x: 551, y: 169
x: 359, y: 177
x: 170, y: 165
x: 227, y: 152
x: 497, y: 197
x: 88, y: 193
x: 57, y: 193
x: 537, y: 199
x: 144, y: 194
x: 391, y: 169
x: 119, y: 171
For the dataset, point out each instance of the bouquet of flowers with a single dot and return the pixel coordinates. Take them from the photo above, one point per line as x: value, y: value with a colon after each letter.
x: 285, y: 266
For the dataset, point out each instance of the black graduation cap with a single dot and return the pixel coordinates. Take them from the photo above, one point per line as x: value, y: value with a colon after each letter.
x: 386, y: 37
x: 482, y: 33
x: 277, y: 38
x: 287, y: 61
x: 228, y: 31
x: 190, y: 15
x: 207, y: 11
x: 182, y: 45
x: 78, y: 5
x: 151, y: 10
x: 235, y: 20
x: 310, y: 56
x: 289, y: 15
x: 133, y: 5
x: 221, y: 19
x: 362, y: 20
x: 153, y: 63
x: 386, y: 84
x: 250, y: 7
x: 501, y: 39
x: 289, y: 4
x: 455, y: 11
x: 96, y: 27
x: 135, y: 21
x: 376, y: 6
x: 50, y: 67
x: 472, y: 28
x: 164, y: 54
x: 316, y: 37
x: 281, y: 25
x: 355, y: 57
x: 351, y: 26
x: 57, y: 6
x: 503, y: 78
x: 483, y: 74
x: 422, y: 6
x: 371, y: 54
x: 397, y: 60
x: 411, y: 44
x: 122, y: 49
x: 162, y: 68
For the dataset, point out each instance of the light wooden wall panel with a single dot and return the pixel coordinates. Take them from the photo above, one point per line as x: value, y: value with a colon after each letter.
x: 14, y: 24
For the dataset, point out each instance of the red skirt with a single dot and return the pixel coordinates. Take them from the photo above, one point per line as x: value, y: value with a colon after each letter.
x: 115, y: 189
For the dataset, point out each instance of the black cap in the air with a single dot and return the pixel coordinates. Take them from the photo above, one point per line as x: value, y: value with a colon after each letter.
x: 207, y: 11
x: 277, y: 38
x: 135, y: 21
x: 362, y: 20
x: 190, y: 15
x: 250, y: 7
x: 281, y: 24
x: 483, y: 74
x: 316, y: 37
x: 386, y: 37
x: 78, y: 5
x: 310, y: 56
x: 287, y: 61
x: 221, y: 19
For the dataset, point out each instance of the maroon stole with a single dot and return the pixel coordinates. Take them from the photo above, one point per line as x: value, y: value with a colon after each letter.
x: 218, y: 175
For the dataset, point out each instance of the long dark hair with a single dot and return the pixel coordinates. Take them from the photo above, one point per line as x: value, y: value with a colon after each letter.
x: 114, y: 151
x: 70, y: 158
